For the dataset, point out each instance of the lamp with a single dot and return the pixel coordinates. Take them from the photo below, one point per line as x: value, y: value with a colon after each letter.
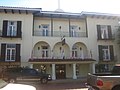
x: 38, y: 48
x: 39, y: 26
x: 59, y: 27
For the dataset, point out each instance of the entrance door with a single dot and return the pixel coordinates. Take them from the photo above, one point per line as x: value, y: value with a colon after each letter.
x: 60, y: 71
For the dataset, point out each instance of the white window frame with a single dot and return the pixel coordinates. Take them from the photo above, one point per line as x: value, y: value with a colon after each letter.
x: 9, y: 53
x: 104, y: 32
x: 12, y: 29
x: 45, y: 52
x: 45, y: 29
x: 106, y: 53
x: 73, y: 29
x: 74, y: 52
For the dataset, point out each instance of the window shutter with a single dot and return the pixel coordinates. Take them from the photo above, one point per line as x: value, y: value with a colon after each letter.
x: 19, y: 25
x: 99, y: 31
x: 18, y: 53
x: 4, y: 31
x: 100, y: 47
x: 109, y: 32
x: 111, y: 52
x: 3, y: 51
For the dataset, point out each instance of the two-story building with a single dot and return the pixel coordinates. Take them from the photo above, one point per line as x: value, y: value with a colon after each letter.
x: 66, y: 45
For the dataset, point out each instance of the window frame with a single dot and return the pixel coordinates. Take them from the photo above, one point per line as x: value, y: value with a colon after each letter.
x: 10, y: 54
x: 106, y: 53
x: 104, y: 32
x: 45, y: 29
x: 45, y: 50
x: 73, y: 30
x: 12, y: 29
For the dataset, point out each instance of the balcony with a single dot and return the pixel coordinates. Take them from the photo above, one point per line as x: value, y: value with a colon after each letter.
x: 68, y: 59
x: 114, y: 59
x: 58, y: 34
x: 106, y: 37
x: 50, y: 57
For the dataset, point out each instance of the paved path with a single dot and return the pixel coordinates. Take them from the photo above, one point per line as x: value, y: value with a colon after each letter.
x: 66, y: 84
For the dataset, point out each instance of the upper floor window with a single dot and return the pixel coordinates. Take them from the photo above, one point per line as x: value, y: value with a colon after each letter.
x: 11, y: 29
x: 106, y: 52
x: 73, y: 30
x: 104, y: 32
x: 44, y: 51
x: 45, y: 29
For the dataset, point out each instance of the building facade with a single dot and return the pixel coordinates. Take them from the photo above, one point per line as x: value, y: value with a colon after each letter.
x: 65, y: 45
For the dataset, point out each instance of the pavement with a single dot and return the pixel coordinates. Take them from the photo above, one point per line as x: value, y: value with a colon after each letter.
x: 82, y: 80
x: 62, y: 84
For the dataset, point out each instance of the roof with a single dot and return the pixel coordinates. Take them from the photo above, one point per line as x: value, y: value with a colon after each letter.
x: 19, y: 10
x: 102, y: 15
x: 57, y: 14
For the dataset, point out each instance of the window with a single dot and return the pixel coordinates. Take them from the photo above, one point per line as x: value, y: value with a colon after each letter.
x: 10, y: 52
x: 12, y: 28
x: 104, y: 32
x: 106, y: 53
x: 73, y: 30
x: 74, y: 52
x: 102, y: 68
x: 44, y: 51
x: 45, y: 29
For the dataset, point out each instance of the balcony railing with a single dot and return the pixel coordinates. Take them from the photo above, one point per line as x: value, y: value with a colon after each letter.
x: 56, y: 58
x: 112, y: 37
x: 58, y: 34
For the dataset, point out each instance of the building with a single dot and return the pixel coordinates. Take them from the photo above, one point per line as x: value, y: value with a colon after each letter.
x: 65, y: 45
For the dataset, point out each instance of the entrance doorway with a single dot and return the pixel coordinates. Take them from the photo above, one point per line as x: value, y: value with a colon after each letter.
x: 60, y: 71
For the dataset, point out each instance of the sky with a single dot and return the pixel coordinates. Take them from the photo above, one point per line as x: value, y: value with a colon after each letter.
x: 74, y: 6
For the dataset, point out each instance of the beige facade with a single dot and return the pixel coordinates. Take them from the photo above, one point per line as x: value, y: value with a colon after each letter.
x: 65, y: 45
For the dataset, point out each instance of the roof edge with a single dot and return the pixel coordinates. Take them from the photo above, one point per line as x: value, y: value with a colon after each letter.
x: 21, y: 8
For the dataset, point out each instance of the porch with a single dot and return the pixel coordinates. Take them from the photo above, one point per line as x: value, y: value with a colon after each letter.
x: 63, y: 68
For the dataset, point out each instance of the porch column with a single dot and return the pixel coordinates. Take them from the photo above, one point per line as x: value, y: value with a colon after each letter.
x: 53, y: 72
x: 74, y: 71
x: 31, y: 65
x: 93, y: 67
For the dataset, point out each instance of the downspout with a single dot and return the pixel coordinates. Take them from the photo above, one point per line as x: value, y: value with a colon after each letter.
x: 51, y: 26
x: 86, y: 26
x: 69, y: 26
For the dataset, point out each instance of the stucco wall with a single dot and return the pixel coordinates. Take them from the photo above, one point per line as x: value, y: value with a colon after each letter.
x: 26, y: 40
x: 92, y: 34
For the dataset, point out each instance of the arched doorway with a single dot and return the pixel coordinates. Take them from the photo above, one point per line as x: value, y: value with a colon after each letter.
x: 41, y: 50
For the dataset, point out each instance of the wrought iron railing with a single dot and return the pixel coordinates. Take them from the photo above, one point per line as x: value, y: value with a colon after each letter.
x: 58, y: 34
